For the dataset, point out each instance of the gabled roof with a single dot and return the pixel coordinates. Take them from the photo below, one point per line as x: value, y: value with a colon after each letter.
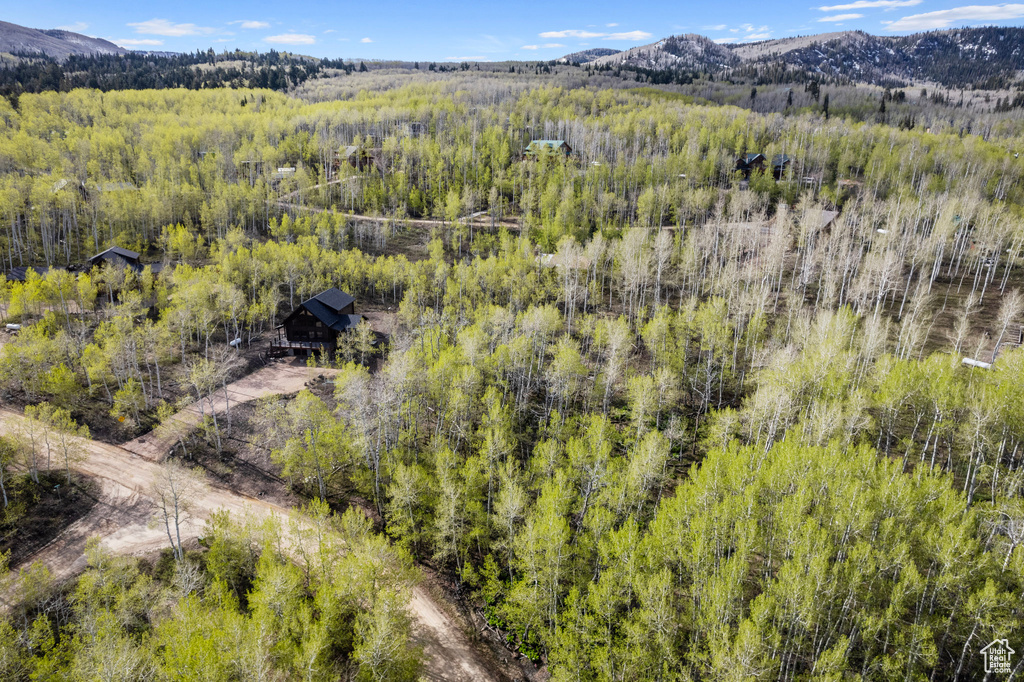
x: 780, y: 159
x: 334, y: 298
x: 547, y: 143
x: 118, y: 256
x: 751, y: 158
x: 326, y: 307
x: 117, y: 251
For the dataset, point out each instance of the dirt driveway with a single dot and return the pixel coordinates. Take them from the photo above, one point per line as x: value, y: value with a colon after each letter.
x: 279, y: 377
x: 121, y: 517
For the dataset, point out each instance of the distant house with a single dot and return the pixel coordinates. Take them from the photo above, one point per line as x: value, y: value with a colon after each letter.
x: 316, y: 323
x: 416, y: 129
x: 780, y: 162
x: 827, y: 218
x: 282, y: 173
x: 64, y: 183
x: 359, y: 157
x: 748, y: 163
x: 538, y: 148
x: 117, y: 257
x: 348, y: 154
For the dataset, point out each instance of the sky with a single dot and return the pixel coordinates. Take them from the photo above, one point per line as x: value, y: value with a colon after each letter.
x: 459, y: 30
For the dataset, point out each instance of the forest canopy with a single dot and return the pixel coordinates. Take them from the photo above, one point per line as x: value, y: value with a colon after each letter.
x: 655, y: 419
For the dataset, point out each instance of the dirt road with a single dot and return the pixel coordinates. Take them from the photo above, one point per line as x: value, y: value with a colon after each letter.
x: 279, y: 377
x: 121, y: 520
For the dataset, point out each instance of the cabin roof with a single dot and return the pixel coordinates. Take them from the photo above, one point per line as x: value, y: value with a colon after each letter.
x: 546, y: 143
x: 326, y: 307
x: 117, y: 251
x: 117, y: 256
x: 334, y: 298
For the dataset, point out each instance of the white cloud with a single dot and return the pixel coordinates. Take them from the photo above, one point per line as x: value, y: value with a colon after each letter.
x: 291, y: 39
x: 331, y: 30
x: 571, y: 33
x: 366, y: 40
x: 467, y: 59
x: 722, y: 41
x: 717, y: 27
x: 841, y: 17
x: 531, y: 47
x: 552, y: 45
x: 76, y: 27
x: 539, y: 47
x: 576, y: 33
x: 163, y: 27
x: 970, y: 14
x: 628, y: 35
x: 870, y: 4
x: 758, y: 36
x: 611, y: 25
x: 254, y: 24
x: 137, y: 42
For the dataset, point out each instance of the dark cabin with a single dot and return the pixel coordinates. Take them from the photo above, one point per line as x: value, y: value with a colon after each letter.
x: 117, y: 257
x: 748, y: 163
x: 360, y: 158
x: 538, y: 148
x: 780, y: 162
x: 316, y: 323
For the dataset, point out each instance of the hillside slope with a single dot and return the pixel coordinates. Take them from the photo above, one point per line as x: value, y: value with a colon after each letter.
x: 982, y: 57
x: 53, y: 43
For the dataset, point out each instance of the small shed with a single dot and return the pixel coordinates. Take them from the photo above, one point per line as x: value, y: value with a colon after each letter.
x: 550, y: 148
x: 315, y: 324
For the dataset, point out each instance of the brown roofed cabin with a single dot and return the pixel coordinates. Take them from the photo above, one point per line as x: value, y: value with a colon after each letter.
x: 316, y: 323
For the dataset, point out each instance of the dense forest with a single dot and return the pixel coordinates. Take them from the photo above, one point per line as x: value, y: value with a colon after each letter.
x: 652, y: 419
x: 34, y: 73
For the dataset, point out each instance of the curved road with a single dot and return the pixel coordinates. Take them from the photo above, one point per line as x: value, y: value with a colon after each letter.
x: 121, y: 518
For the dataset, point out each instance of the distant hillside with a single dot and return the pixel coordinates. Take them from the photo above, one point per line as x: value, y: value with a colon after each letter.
x: 585, y: 56
x: 988, y: 57
x: 53, y: 43
x: 689, y: 51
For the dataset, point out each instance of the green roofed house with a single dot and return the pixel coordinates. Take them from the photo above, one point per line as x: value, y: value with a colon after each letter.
x: 538, y: 148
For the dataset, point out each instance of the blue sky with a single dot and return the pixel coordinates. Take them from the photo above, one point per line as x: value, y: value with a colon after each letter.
x: 458, y: 30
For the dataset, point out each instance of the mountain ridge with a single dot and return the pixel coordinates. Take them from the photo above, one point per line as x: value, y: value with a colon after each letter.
x: 55, y: 43
x: 980, y: 57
